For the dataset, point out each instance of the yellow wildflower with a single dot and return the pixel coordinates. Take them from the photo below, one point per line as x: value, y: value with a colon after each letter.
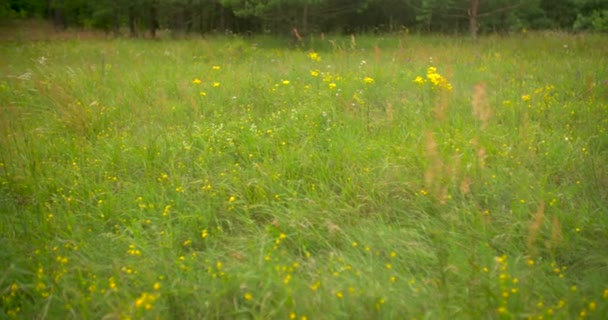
x: 434, y: 78
x: 419, y: 80
x: 314, y: 56
x: 145, y: 301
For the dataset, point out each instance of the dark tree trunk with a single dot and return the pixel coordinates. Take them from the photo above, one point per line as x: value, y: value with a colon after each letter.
x: 187, y: 16
x: 49, y: 10
x: 153, y: 19
x: 58, y: 19
x: 178, y: 18
x: 55, y: 13
x: 201, y: 17
x: 132, y: 27
x: 222, y: 19
x: 115, y: 19
x: 473, y: 15
x: 305, y: 18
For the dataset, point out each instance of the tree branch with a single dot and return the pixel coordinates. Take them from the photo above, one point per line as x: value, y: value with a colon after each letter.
x: 503, y: 9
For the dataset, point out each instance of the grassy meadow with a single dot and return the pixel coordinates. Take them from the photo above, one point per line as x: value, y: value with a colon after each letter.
x: 372, y: 177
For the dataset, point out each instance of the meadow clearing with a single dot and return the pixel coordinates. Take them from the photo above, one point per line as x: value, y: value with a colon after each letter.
x: 373, y: 177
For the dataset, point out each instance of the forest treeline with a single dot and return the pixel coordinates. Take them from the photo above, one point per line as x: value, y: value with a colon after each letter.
x: 147, y: 17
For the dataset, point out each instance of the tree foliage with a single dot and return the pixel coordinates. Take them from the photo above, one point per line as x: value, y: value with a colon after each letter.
x: 138, y: 17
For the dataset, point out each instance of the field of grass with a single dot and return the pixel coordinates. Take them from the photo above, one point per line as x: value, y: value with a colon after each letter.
x: 396, y: 177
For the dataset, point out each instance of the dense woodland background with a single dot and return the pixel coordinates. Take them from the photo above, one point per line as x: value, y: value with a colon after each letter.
x: 148, y: 17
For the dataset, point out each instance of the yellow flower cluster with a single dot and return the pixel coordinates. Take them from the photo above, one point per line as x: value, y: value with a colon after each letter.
x: 314, y: 56
x: 10, y: 301
x: 146, y: 301
x: 435, y: 79
x: 133, y: 250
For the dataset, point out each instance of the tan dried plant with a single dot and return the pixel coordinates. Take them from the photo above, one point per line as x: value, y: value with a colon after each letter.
x: 481, y: 109
x: 465, y: 185
x: 556, y: 235
x: 442, y: 106
x: 390, y: 110
x: 432, y: 155
x: 436, y: 171
x: 534, y: 228
x: 377, y: 54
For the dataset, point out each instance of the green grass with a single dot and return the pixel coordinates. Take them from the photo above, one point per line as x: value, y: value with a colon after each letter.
x: 130, y: 190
